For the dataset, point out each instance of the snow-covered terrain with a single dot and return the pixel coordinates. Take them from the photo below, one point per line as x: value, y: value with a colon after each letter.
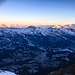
x: 36, y: 50
x: 6, y: 73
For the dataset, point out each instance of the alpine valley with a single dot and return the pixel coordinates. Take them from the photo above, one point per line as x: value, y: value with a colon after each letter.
x: 37, y: 50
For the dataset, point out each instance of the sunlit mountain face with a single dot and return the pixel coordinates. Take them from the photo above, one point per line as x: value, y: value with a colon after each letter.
x: 23, y: 26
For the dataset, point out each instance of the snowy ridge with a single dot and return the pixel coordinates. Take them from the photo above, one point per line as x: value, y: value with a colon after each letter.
x: 6, y: 73
x: 42, y: 30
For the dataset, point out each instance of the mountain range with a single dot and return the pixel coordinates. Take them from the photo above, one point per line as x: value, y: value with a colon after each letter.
x: 36, y: 50
x: 72, y: 26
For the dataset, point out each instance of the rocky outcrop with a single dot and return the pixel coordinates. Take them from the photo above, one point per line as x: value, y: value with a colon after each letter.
x: 65, y: 71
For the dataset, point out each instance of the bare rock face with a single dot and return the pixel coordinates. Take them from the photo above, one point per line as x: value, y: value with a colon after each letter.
x: 6, y: 73
x: 65, y: 71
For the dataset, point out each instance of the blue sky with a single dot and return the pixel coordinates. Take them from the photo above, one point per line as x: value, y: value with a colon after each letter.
x: 37, y: 12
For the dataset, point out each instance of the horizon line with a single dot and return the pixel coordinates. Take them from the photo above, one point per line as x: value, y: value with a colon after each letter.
x: 25, y: 26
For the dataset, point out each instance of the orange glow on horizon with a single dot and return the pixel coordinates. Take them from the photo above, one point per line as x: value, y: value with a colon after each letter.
x: 25, y: 24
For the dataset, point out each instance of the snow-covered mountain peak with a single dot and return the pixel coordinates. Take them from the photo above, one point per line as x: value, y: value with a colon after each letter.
x: 32, y: 30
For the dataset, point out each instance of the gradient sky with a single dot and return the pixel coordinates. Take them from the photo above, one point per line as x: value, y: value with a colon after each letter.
x: 37, y: 12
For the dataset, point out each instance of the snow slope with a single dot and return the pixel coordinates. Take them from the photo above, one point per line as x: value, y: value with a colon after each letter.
x: 6, y: 73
